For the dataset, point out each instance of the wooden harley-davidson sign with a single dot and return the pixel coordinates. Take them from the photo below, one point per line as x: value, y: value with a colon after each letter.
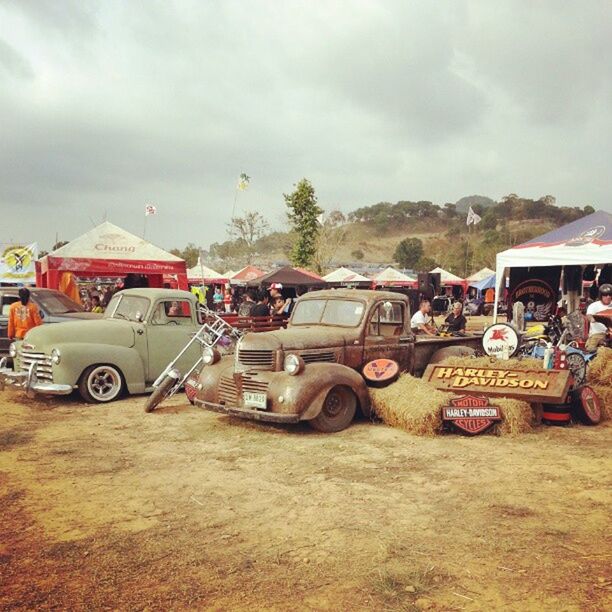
x: 549, y: 386
x: 470, y: 414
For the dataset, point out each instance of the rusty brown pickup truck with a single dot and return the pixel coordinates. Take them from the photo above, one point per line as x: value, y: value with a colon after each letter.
x: 314, y: 369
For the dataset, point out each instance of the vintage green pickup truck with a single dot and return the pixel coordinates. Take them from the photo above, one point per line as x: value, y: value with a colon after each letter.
x: 318, y: 369
x: 126, y: 350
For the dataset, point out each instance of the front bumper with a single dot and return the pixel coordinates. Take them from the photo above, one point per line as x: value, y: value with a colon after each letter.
x: 248, y: 413
x: 27, y: 380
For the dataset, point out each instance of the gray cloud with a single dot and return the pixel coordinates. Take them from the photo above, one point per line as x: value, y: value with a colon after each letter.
x: 108, y: 105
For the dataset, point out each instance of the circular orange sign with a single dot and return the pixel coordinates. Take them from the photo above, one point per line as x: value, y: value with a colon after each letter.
x: 380, y: 370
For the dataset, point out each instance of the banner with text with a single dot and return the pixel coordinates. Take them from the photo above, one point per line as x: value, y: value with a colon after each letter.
x: 17, y: 263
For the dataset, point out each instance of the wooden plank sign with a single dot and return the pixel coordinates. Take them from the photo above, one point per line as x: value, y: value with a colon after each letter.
x: 550, y: 386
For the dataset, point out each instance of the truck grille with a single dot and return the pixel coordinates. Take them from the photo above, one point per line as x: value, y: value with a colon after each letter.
x: 256, y: 358
x: 44, y: 370
x: 328, y: 356
x: 228, y: 392
x: 251, y: 383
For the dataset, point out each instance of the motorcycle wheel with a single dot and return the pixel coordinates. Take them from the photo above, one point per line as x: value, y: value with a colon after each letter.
x: 159, y: 394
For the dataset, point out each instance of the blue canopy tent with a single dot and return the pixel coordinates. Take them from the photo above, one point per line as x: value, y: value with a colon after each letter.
x: 483, y: 285
x: 586, y: 241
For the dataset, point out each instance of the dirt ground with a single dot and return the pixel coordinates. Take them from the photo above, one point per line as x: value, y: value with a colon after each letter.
x: 108, y: 507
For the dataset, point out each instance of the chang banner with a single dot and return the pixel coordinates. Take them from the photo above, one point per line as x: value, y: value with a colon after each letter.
x: 17, y: 263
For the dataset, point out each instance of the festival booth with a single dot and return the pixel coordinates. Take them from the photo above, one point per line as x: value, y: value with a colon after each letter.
x: 343, y: 277
x: 479, y: 276
x: 448, y: 279
x: 203, y: 275
x: 390, y: 277
x: 537, y: 268
x: 245, y: 276
x: 288, y: 277
x: 108, y: 250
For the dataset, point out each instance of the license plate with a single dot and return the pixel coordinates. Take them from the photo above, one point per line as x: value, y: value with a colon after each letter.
x: 255, y: 400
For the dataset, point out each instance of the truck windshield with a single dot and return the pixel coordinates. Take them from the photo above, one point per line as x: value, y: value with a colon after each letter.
x: 127, y: 307
x: 56, y: 303
x: 345, y: 313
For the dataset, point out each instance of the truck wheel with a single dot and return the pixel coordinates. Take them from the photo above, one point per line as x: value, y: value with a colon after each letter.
x: 100, y: 384
x: 338, y: 410
x: 159, y: 394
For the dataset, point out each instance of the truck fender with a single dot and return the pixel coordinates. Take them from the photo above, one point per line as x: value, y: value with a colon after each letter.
x: 452, y: 351
x: 328, y: 375
x: 77, y: 357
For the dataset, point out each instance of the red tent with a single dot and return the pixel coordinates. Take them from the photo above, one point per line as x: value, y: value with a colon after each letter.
x: 108, y: 250
x: 247, y: 274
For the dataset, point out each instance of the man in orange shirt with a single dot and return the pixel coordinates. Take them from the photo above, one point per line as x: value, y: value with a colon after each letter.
x: 23, y: 316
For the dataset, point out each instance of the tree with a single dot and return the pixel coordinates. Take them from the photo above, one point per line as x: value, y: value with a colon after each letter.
x: 408, y: 252
x: 303, y: 215
x: 248, y: 230
x: 357, y: 254
x: 190, y: 254
x: 588, y: 210
x: 425, y: 264
x: 59, y: 245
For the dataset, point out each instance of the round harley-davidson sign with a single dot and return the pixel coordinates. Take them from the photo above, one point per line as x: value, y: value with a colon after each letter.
x: 380, y: 370
x: 499, y: 336
x: 538, y: 298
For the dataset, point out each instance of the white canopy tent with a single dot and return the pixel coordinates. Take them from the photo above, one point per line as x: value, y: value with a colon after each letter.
x: 587, y: 241
x: 480, y: 275
x: 345, y: 276
x: 390, y: 276
x: 201, y: 273
x: 447, y: 277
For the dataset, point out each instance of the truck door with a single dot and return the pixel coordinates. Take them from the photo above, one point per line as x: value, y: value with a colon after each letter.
x: 171, y: 326
x: 386, y: 334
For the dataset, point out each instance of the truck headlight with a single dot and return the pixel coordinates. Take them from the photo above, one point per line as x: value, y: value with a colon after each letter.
x: 294, y: 364
x: 13, y: 350
x: 210, y: 355
x: 56, y: 356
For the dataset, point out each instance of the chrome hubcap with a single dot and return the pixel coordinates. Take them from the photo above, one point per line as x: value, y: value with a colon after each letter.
x: 104, y: 383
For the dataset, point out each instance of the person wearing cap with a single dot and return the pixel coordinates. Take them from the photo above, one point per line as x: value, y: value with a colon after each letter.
x: 23, y: 316
x: 598, y: 331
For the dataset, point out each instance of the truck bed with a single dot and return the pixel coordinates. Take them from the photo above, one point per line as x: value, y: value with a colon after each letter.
x: 426, y: 346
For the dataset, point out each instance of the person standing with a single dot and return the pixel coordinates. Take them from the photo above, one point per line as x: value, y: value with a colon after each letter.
x: 23, y: 316
x: 227, y: 300
x: 218, y: 299
x: 96, y: 306
x: 598, y: 331
x: 262, y: 308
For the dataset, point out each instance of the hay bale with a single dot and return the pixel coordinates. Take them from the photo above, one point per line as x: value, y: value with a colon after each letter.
x: 600, y: 369
x: 411, y: 404
x: 599, y: 377
x: 526, y: 363
x: 415, y: 406
x: 518, y: 416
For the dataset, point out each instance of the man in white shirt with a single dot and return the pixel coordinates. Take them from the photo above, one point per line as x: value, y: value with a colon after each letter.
x: 598, y: 331
x: 421, y: 321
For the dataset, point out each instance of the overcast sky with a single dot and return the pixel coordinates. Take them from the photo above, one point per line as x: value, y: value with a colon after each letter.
x: 106, y: 106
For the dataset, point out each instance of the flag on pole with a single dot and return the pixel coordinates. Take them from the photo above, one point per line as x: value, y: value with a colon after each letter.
x: 472, y: 217
x: 150, y: 210
x: 243, y: 181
